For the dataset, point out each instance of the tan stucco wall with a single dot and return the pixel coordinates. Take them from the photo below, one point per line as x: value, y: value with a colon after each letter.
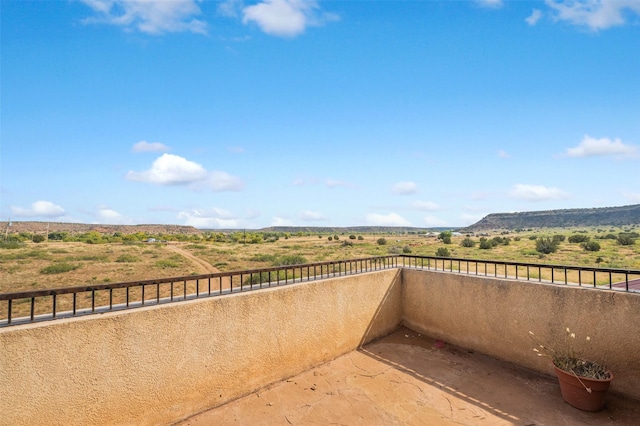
x: 156, y: 365
x: 494, y: 316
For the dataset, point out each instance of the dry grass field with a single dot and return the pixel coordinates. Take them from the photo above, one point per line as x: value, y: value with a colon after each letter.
x: 56, y: 264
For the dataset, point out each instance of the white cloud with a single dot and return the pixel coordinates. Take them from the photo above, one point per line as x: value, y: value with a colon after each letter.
x: 223, y: 181
x: 209, y: 218
x: 310, y: 216
x: 281, y: 221
x: 594, y: 14
x: 285, y: 18
x: 633, y: 197
x: 535, y: 16
x: 148, y: 16
x: 469, y: 219
x: 503, y: 154
x: 536, y: 193
x: 490, y: 3
x: 391, y: 219
x: 144, y: 146
x: 590, y: 147
x: 425, y: 206
x: 433, y: 222
x: 39, y: 208
x: 170, y: 169
x: 332, y: 183
x: 404, y: 188
x: 108, y: 216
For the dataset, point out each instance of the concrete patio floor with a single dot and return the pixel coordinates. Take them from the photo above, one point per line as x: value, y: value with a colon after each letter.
x: 409, y: 379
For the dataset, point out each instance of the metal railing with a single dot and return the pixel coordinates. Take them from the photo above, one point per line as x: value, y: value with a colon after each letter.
x: 48, y: 304
x: 42, y: 305
x: 601, y: 278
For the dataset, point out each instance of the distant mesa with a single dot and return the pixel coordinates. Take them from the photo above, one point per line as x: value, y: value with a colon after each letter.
x: 603, y: 216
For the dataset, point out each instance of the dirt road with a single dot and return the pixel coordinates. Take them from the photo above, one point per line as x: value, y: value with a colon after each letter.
x: 203, y: 267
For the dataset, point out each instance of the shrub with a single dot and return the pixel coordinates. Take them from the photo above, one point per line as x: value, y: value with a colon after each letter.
x: 591, y: 246
x: 360, y: 238
x: 625, y: 239
x: 559, y: 238
x: 443, y: 252
x: 167, y: 263
x: 11, y: 245
x: 59, y: 268
x: 381, y: 241
x: 485, y: 244
x: 546, y: 245
x: 290, y: 259
x: 533, y: 237
x: 127, y: 258
x: 579, y: 238
x: 445, y: 236
x: 335, y: 237
x: 330, y: 238
x: 406, y: 249
x: 347, y: 243
x: 352, y: 237
x: 38, y: 238
x: 467, y: 242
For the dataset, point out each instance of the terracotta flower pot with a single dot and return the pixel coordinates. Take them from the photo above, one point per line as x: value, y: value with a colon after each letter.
x: 574, y: 390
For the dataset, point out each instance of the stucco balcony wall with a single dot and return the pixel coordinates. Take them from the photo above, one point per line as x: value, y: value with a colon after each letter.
x: 494, y: 316
x: 157, y: 365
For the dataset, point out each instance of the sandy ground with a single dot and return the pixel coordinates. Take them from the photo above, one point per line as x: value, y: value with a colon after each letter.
x: 409, y: 379
x: 203, y: 266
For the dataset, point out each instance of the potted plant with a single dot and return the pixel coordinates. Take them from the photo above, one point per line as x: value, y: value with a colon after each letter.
x: 583, y: 383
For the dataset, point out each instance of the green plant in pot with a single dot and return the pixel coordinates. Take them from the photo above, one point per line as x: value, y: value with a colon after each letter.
x: 583, y: 383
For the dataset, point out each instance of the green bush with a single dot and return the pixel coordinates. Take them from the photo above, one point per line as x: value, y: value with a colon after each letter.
x: 591, y: 246
x: 59, y: 268
x: 335, y: 237
x: 443, y: 252
x: 127, y: 258
x: 546, y: 245
x: 38, y: 238
x: 445, y: 236
x: 381, y: 241
x: 352, y: 237
x: 485, y: 244
x: 579, y: 238
x: 330, y: 238
x: 467, y: 242
x: 11, y: 245
x: 290, y: 259
x: 167, y: 263
x: 559, y: 238
x: 406, y: 249
x: 626, y: 239
x: 360, y: 238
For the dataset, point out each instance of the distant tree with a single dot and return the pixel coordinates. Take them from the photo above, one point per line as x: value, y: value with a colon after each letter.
x: 445, y: 236
x: 37, y: 238
x: 360, y: 238
x: 382, y: 241
x: 335, y: 237
x: 330, y: 238
x: 352, y: 237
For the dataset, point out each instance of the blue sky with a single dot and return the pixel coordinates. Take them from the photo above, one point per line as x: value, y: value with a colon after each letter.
x: 248, y: 114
